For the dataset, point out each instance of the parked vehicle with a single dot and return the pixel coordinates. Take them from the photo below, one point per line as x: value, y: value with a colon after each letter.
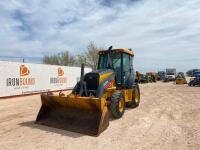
x: 195, y: 80
x: 191, y: 72
x: 143, y: 79
x: 170, y: 75
x: 161, y: 75
x: 180, y: 78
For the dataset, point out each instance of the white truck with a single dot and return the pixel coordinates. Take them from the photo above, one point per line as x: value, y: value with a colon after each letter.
x: 170, y: 74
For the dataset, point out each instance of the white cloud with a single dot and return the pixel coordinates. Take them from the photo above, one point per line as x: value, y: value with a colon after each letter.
x: 163, y: 33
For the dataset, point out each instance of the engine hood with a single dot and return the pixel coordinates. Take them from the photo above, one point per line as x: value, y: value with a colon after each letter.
x: 100, y: 80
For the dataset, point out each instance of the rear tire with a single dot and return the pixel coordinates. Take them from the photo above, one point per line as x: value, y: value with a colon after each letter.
x: 136, y: 98
x: 191, y: 83
x: 196, y: 83
x: 117, y: 105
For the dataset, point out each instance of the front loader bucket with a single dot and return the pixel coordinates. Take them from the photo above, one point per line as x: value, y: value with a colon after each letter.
x: 78, y: 114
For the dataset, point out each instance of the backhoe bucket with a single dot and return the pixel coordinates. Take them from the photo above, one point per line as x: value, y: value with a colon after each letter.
x: 78, y: 114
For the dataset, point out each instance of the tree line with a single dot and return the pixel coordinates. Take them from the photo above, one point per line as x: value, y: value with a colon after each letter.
x: 89, y: 57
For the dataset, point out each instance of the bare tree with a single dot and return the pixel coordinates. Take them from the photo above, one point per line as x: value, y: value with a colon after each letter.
x: 90, y: 56
x: 64, y: 59
x: 52, y: 60
x: 81, y: 59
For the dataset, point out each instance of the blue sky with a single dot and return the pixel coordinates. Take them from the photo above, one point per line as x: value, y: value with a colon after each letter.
x: 164, y: 33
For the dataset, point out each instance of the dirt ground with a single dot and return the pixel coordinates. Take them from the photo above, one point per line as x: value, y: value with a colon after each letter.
x: 168, y: 118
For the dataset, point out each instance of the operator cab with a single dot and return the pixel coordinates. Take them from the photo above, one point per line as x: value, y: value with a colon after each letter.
x: 121, y: 62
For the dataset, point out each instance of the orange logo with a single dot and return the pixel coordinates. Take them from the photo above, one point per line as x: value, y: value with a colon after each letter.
x: 60, y: 72
x: 24, y: 71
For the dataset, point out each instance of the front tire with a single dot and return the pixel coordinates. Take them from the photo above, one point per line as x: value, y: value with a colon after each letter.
x: 117, y: 105
x: 135, y: 98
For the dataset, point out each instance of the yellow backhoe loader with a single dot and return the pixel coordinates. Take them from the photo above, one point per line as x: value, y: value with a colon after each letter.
x: 108, y: 90
x: 180, y: 78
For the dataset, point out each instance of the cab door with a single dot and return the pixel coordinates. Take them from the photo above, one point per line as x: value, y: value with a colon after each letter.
x: 127, y: 71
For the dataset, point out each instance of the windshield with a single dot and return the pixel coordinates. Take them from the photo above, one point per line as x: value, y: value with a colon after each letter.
x: 115, y: 58
x: 121, y: 63
x: 170, y: 74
